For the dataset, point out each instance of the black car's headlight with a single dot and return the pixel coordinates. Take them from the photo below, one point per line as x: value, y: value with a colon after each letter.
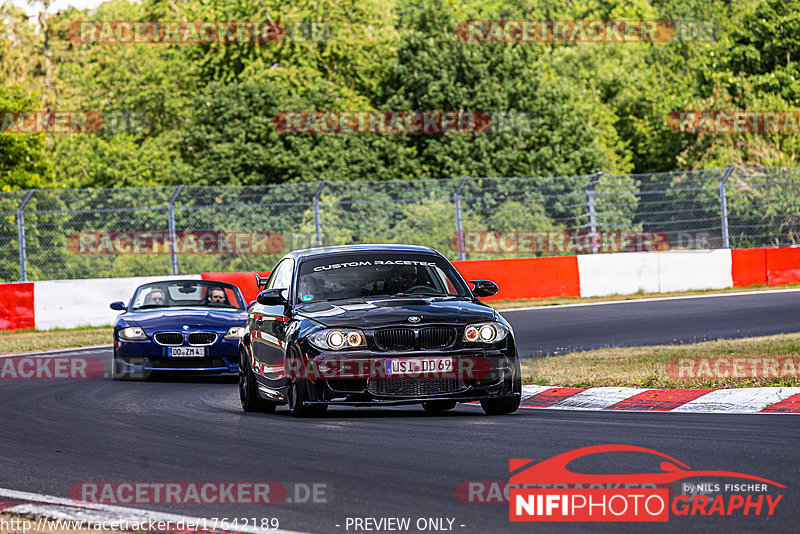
x: 132, y: 332
x: 338, y: 338
x: 485, y: 332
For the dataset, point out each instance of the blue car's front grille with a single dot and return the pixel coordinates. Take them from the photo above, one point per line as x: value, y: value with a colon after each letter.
x: 168, y: 338
x: 202, y: 338
x: 186, y: 363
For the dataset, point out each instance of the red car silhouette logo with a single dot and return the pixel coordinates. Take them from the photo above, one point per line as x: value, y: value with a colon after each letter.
x: 554, y: 470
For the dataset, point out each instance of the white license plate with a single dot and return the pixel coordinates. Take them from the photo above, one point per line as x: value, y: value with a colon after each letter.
x: 186, y: 352
x: 415, y: 366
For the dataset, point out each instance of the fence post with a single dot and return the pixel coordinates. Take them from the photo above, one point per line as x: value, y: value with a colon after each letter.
x: 317, y: 222
x: 591, y: 209
x: 459, y: 222
x: 23, y: 259
x: 171, y: 213
x: 723, y: 203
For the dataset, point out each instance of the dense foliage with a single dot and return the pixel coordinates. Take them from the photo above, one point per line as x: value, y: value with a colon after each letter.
x: 202, y: 114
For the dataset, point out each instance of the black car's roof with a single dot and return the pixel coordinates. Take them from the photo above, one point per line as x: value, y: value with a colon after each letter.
x: 343, y: 249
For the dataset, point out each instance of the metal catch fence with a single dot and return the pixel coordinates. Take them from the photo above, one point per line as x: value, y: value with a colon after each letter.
x: 96, y: 233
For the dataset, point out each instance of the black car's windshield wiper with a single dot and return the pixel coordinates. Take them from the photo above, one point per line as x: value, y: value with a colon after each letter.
x: 418, y: 294
x: 143, y: 306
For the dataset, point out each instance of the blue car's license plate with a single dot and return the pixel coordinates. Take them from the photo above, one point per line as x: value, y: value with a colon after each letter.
x: 186, y: 352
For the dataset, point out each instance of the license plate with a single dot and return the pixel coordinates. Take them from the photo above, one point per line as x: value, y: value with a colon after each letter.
x: 415, y: 366
x: 186, y: 352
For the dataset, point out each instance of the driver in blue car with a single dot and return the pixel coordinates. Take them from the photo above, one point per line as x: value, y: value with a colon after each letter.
x: 216, y: 296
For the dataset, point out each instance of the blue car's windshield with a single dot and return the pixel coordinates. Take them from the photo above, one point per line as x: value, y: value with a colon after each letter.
x: 187, y: 293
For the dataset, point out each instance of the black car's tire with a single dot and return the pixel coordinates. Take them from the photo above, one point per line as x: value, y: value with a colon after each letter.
x: 297, y: 391
x: 506, y: 405
x: 438, y: 406
x: 503, y: 406
x: 248, y: 392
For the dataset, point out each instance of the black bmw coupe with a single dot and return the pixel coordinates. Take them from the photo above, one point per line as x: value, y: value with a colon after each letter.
x: 375, y: 325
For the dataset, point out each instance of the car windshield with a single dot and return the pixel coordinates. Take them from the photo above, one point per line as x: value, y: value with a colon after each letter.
x: 379, y: 274
x: 187, y: 293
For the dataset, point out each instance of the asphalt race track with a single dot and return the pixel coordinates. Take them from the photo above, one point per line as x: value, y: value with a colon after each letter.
x: 398, y: 462
x: 555, y: 330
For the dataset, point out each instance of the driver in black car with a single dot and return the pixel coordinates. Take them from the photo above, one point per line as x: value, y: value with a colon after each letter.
x: 405, y: 277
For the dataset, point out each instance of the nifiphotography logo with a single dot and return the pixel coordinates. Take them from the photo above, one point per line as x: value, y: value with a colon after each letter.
x: 549, y: 491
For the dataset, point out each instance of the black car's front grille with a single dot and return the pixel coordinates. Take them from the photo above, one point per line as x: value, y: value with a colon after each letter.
x: 430, y: 337
x: 395, y: 339
x: 169, y: 338
x: 202, y: 338
x: 437, y: 337
x: 415, y: 387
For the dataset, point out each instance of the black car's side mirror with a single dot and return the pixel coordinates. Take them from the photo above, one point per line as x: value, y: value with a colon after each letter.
x: 261, y: 281
x: 119, y: 306
x: 484, y: 288
x: 271, y: 297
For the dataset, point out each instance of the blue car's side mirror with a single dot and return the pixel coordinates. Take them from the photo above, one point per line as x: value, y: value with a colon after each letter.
x: 119, y: 306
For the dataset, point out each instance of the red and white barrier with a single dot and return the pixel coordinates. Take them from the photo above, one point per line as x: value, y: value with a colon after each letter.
x: 654, y: 272
x: 734, y: 400
x: 71, y: 303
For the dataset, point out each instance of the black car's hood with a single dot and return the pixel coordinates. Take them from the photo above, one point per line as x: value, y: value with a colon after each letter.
x: 193, y: 317
x: 384, y: 312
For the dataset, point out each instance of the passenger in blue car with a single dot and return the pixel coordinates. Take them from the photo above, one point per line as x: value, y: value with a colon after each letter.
x: 155, y: 298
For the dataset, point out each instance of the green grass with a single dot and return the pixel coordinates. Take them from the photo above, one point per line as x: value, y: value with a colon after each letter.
x: 647, y: 366
x: 33, y: 340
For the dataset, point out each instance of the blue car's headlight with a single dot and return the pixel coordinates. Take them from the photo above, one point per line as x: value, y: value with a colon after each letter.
x: 485, y: 332
x: 337, y: 339
x: 234, y: 332
x: 132, y: 333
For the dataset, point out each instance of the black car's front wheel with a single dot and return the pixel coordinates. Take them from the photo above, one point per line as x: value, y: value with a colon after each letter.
x: 506, y: 405
x: 297, y: 389
x: 438, y: 406
x: 248, y: 390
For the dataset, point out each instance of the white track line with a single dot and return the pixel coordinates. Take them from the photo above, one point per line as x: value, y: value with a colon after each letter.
x: 67, y: 509
x: 654, y: 299
x: 743, y: 400
x: 597, y: 398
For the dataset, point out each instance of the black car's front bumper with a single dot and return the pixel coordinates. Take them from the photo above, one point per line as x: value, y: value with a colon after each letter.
x: 495, y: 379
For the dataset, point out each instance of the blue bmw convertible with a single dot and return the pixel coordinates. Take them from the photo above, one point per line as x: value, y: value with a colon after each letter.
x: 187, y: 326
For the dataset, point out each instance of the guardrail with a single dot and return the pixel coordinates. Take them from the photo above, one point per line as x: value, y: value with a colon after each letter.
x: 72, y: 303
